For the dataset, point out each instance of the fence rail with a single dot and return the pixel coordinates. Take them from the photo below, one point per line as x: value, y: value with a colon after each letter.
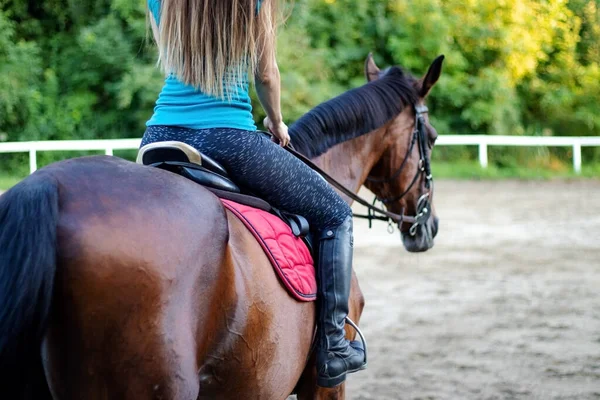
x: 482, y: 141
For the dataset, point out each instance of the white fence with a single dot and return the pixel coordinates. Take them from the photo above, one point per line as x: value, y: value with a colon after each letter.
x: 482, y: 141
x: 67, y: 145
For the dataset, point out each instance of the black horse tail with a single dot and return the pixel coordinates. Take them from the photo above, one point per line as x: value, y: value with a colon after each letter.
x: 28, y: 224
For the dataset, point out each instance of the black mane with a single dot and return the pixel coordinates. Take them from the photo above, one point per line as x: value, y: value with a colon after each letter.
x: 354, y: 113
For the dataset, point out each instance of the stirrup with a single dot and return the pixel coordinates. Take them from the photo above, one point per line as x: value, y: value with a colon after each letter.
x: 360, y: 334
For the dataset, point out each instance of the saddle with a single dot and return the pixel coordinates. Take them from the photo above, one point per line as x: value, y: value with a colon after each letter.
x: 184, y: 160
x: 284, y: 236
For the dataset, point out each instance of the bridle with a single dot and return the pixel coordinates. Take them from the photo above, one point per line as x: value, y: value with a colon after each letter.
x: 419, y: 137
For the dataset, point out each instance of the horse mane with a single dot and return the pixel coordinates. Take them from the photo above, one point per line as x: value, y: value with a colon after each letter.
x: 353, y: 113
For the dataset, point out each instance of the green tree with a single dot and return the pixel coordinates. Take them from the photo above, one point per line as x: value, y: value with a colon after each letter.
x: 84, y: 69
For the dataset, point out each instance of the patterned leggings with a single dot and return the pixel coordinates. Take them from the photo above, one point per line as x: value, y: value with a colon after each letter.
x: 255, y: 162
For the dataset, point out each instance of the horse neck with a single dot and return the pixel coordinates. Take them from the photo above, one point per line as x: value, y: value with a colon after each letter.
x: 350, y: 162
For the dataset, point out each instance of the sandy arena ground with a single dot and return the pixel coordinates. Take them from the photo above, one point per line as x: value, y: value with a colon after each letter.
x: 506, y: 305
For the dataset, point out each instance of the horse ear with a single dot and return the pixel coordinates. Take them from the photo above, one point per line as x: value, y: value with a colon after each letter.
x: 371, y: 69
x: 433, y: 74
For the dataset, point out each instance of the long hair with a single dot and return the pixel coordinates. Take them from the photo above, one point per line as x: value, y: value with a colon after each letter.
x: 214, y: 44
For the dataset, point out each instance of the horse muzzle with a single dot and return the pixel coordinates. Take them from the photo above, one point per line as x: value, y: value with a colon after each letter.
x: 420, y: 237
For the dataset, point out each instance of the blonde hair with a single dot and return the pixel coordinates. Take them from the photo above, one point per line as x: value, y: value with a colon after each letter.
x: 214, y: 44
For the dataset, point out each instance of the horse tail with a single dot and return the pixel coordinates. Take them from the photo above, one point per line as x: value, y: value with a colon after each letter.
x: 28, y: 224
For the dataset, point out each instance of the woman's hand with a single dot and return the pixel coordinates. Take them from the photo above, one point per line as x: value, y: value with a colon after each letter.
x: 279, y: 131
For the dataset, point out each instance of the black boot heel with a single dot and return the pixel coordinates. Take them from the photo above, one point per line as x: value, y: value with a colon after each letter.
x: 334, y: 369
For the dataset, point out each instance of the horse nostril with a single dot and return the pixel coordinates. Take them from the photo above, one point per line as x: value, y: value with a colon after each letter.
x: 436, y: 225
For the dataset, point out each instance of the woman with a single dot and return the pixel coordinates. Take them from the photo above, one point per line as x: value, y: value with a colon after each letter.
x: 208, y: 49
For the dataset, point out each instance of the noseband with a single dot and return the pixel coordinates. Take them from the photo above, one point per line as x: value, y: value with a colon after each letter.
x: 423, y: 214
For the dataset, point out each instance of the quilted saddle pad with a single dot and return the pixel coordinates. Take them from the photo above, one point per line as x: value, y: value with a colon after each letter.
x: 288, y: 254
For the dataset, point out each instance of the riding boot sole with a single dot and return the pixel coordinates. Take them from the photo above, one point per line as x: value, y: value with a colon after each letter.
x: 337, y: 380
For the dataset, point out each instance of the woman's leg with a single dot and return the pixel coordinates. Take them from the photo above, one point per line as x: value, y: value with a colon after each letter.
x: 255, y: 162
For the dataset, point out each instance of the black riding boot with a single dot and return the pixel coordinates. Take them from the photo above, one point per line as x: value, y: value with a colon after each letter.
x: 336, y: 356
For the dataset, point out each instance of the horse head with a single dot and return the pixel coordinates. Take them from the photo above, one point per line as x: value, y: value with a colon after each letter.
x: 402, y: 177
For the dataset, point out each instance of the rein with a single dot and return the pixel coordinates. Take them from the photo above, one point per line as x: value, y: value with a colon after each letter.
x: 380, y: 214
x: 350, y: 193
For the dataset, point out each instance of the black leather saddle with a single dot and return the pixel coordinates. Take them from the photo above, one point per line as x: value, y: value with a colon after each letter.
x: 184, y: 160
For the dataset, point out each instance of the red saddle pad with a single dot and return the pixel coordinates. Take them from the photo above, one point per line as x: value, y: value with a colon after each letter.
x: 288, y: 254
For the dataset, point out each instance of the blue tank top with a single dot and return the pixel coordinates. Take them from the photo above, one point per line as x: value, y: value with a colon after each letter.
x: 182, y: 105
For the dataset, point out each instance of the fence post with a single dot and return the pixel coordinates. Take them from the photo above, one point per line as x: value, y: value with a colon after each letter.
x: 483, y: 155
x: 577, y: 157
x: 109, y: 151
x: 32, y: 161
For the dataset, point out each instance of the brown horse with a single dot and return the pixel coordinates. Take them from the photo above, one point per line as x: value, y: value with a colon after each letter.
x: 119, y: 281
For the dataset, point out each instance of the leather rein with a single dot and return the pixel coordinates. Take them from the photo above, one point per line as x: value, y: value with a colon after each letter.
x: 376, y: 213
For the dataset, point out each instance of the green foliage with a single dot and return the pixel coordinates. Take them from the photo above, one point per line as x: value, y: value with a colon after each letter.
x: 6, y: 182
x: 83, y: 69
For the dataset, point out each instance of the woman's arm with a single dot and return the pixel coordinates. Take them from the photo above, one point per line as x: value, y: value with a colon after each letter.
x: 268, y: 88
